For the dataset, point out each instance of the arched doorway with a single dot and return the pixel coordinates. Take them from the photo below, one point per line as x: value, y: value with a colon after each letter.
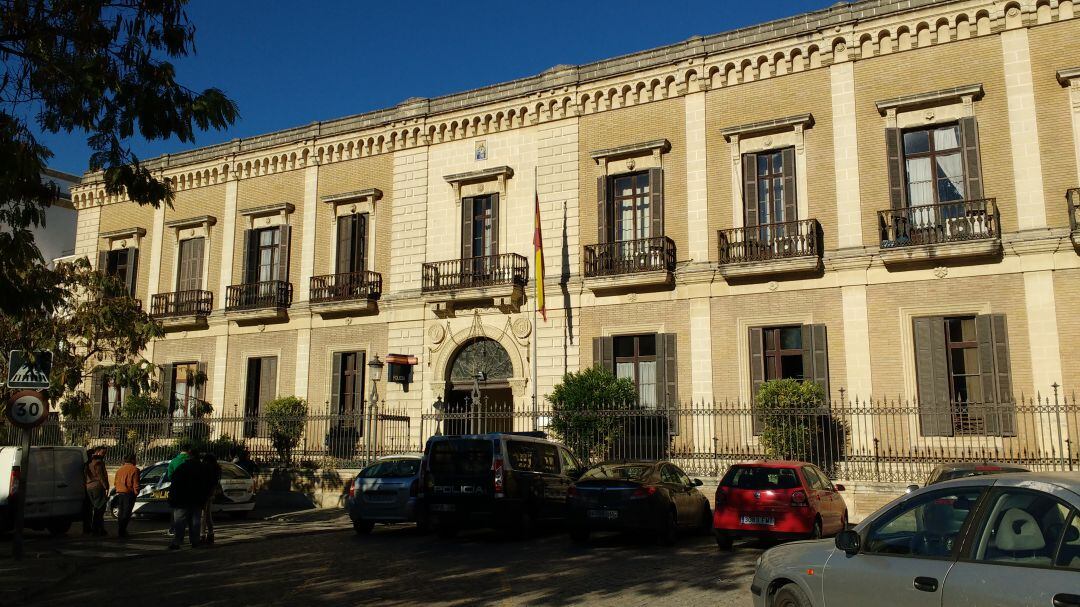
x: 478, y: 394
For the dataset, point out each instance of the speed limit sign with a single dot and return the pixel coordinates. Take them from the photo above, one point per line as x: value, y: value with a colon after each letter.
x: 28, y: 408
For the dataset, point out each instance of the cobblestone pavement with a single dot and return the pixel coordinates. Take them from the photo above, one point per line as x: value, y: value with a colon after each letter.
x: 397, y: 566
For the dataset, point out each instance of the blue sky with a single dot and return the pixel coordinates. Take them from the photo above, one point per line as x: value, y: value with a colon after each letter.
x: 287, y: 66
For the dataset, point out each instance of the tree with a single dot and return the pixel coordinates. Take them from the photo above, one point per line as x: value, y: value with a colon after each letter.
x: 285, y: 419
x: 583, y: 405
x: 99, y: 67
x: 790, y: 413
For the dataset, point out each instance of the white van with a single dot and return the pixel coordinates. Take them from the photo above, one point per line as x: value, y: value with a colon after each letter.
x: 57, y: 486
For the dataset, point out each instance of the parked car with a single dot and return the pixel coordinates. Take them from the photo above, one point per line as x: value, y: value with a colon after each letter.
x: 1007, y: 540
x: 55, y: 492
x: 386, y: 492
x: 657, y: 497
x: 947, y: 472
x: 237, y: 496
x: 508, y: 480
x: 777, y: 500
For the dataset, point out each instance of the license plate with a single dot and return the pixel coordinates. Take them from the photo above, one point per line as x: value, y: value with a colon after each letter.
x: 607, y: 514
x: 757, y: 520
x: 442, y: 507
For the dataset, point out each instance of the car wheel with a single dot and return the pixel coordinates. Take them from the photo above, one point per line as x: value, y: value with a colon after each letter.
x: 362, y: 527
x: 58, y: 527
x: 815, y: 533
x: 790, y: 596
x: 579, y: 534
x: 669, y: 529
x: 724, y: 541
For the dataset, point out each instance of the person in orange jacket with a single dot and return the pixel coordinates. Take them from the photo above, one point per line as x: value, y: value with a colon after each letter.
x: 126, y: 484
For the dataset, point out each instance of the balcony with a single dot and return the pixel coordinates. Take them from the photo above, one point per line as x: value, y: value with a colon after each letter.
x: 630, y: 264
x: 348, y: 293
x: 1073, y: 198
x: 182, y: 309
x: 258, y: 301
x: 945, y: 231
x: 499, y: 279
x: 790, y: 247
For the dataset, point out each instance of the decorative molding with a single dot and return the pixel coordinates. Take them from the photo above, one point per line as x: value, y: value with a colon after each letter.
x: 956, y: 94
x: 371, y: 194
x: 499, y: 173
x: 124, y: 233
x: 734, y: 133
x: 644, y: 148
x: 192, y: 222
x: 269, y: 209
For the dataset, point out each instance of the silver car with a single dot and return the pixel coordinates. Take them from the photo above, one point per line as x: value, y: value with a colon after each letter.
x: 385, y: 492
x: 1010, y: 540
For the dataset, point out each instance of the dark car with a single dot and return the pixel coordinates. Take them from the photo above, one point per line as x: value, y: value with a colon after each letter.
x: 385, y: 492
x: 656, y: 497
x: 954, y: 470
x: 508, y: 480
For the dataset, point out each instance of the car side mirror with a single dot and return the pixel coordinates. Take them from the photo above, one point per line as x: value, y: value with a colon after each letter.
x: 697, y: 482
x: 848, y: 541
x: 911, y: 488
x: 839, y: 487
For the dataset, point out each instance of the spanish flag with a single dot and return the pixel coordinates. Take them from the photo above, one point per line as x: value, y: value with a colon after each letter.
x: 538, y: 274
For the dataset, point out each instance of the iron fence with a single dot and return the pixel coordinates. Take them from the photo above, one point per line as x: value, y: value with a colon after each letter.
x: 925, y: 224
x: 346, y: 286
x: 470, y: 272
x: 770, y: 241
x: 1072, y: 197
x: 255, y: 295
x: 630, y: 256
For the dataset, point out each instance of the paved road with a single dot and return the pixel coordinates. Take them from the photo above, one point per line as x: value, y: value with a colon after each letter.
x: 397, y: 566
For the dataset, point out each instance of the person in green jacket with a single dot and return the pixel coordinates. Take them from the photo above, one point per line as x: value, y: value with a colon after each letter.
x: 174, y: 463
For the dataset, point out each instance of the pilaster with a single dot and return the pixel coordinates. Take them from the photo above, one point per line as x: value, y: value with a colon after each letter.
x: 846, y: 155
x: 228, y: 238
x: 307, y: 255
x: 697, y: 192
x: 1023, y: 130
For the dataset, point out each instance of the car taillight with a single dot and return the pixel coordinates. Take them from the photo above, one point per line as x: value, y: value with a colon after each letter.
x: 497, y: 474
x: 414, y: 488
x: 16, y: 474
x: 721, y: 497
x: 643, y: 492
x: 798, y: 498
x: 352, y: 489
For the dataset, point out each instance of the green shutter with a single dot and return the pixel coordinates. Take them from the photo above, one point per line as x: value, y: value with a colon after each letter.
x: 604, y: 353
x: 343, y: 265
x: 995, y: 375
x: 97, y: 380
x: 969, y: 137
x: 132, y: 274
x: 932, y: 376
x: 200, y: 368
x: 284, y: 235
x: 494, y: 224
x: 757, y: 372
x: 166, y: 392
x: 251, y: 262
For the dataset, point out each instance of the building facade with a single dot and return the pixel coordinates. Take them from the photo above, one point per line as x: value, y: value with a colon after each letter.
x: 873, y: 196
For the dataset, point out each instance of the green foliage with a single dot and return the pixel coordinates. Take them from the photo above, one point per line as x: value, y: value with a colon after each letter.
x: 76, y: 409
x: 142, y: 415
x: 285, y: 420
x: 789, y: 413
x: 225, y: 447
x: 579, y: 404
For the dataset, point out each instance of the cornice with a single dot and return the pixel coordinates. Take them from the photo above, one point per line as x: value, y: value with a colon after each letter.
x: 1066, y: 76
x: 372, y: 193
x: 768, y: 126
x: 269, y: 209
x: 956, y: 93
x: 189, y: 222
x: 504, y: 172
x: 123, y: 233
x: 634, y: 148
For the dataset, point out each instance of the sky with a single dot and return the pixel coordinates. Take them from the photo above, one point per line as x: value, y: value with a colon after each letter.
x: 288, y: 64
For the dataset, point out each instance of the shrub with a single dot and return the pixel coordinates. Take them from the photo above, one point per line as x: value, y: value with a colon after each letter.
x: 285, y: 419
x: 789, y: 412
x: 579, y: 406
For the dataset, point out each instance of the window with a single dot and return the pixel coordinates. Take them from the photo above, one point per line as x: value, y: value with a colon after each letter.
x: 261, y: 388
x: 783, y: 349
x: 1069, y: 553
x: 190, y: 265
x: 926, y: 526
x: 669, y: 475
x: 569, y: 462
x: 522, y: 456
x: 267, y: 255
x: 122, y: 264
x: 186, y: 388
x: 548, y: 459
x: 347, y: 383
x: 933, y: 165
x: 1025, y: 528
x: 352, y: 243
x: 795, y: 352
x: 815, y: 480
x: 480, y: 226
x: 761, y: 478
x: 635, y: 359
x: 108, y: 395
x: 963, y: 360
x: 631, y: 208
x: 769, y: 194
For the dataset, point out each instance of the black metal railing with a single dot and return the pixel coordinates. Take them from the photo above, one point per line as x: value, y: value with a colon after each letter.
x: 182, y: 303
x: 255, y: 295
x: 770, y: 241
x: 343, y: 287
x: 939, y: 223
x: 1072, y: 196
x: 630, y: 256
x: 488, y: 271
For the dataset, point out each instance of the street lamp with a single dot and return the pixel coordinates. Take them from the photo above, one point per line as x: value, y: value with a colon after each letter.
x: 375, y: 368
x: 440, y: 411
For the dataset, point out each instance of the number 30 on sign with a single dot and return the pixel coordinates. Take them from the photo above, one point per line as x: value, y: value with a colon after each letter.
x: 27, y: 408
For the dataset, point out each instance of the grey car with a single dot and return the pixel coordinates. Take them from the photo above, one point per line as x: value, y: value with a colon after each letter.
x: 385, y: 492
x: 1010, y: 540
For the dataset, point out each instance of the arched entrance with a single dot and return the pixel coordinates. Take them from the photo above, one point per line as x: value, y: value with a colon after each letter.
x: 478, y: 394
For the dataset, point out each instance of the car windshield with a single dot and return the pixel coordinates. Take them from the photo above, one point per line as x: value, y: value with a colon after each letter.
x: 233, y: 471
x: 392, y: 468
x: 460, y: 456
x: 151, y: 475
x: 753, y: 477
x: 622, y: 472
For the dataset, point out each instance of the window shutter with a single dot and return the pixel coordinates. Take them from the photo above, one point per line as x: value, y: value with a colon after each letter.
x: 335, y: 385
x: 97, y: 379
x: 132, y: 270
x: 816, y: 357
x: 344, y: 239
x: 251, y: 263
x: 361, y: 243
x: 750, y: 193
x: 791, y: 195
x: 167, y: 387
x: 601, y: 210
x: 251, y: 404
x: 604, y: 353
x: 200, y: 368
x: 656, y: 202
x: 467, y: 212
x: 361, y: 376
x: 893, y: 150
x: 969, y: 136
x: 197, y: 251
x: 995, y: 374
x: 667, y: 371
x: 757, y: 371
x: 932, y: 376
x: 103, y: 262
x: 284, y: 234
x: 268, y: 381
x: 494, y: 224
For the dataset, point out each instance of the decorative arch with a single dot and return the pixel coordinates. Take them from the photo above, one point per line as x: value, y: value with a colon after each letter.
x: 445, y: 356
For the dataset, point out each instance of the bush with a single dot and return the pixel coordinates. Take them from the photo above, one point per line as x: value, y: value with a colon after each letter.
x: 789, y: 412
x: 285, y: 419
x: 142, y: 414
x: 579, y: 404
x: 225, y: 447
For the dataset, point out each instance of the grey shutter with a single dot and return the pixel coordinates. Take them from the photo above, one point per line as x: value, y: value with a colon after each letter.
x: 167, y: 386
x: 361, y: 377
x: 757, y: 372
x: 200, y: 368
x: 267, y: 380
x: 656, y: 202
x: 494, y: 224
x: 969, y: 136
x: 132, y: 270
x: 97, y: 380
x: 791, y: 212
x: 894, y: 153
x: 361, y: 243
x: 995, y: 374
x: 195, y: 267
x: 284, y: 234
x: 601, y: 210
x: 251, y: 404
x: 335, y: 384
x: 604, y: 353
x: 251, y: 263
x: 667, y: 371
x: 103, y: 262
x: 750, y: 192
x: 816, y: 357
x: 932, y: 376
x: 467, y: 212
x: 344, y: 240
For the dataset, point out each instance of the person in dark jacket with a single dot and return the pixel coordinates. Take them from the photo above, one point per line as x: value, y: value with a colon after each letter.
x: 97, y: 489
x: 212, y: 479
x: 187, y: 497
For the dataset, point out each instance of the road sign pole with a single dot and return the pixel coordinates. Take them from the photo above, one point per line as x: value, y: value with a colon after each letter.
x: 20, y: 498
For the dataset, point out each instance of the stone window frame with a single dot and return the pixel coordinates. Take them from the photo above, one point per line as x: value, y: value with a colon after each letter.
x: 766, y: 136
x: 185, y: 229
x: 637, y: 156
x: 353, y: 203
x: 743, y: 324
x: 125, y: 238
x: 478, y: 183
x: 1071, y: 78
x: 245, y: 355
x: 267, y: 216
x: 365, y: 346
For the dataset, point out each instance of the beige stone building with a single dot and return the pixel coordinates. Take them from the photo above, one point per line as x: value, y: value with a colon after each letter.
x: 872, y: 195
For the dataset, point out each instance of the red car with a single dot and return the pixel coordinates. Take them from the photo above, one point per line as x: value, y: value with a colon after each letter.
x: 777, y: 499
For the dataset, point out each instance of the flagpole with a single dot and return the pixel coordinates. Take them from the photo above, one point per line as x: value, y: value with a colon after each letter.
x: 537, y: 274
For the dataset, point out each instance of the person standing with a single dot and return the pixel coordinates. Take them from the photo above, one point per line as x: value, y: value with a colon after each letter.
x: 97, y: 490
x: 245, y: 462
x: 174, y: 463
x: 187, y: 496
x: 87, y: 505
x: 212, y: 478
x: 127, y: 487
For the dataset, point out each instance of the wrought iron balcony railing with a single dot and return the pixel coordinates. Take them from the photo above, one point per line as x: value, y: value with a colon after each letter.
x: 630, y: 256
x: 255, y: 295
x: 182, y: 303
x: 770, y: 241
x: 941, y: 223
x: 1073, y: 198
x: 489, y: 271
x: 343, y: 287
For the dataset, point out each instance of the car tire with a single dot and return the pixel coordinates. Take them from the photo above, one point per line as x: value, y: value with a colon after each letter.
x: 790, y: 596
x: 815, y: 532
x: 579, y: 534
x: 58, y: 527
x: 724, y: 541
x: 362, y: 527
x: 668, y: 530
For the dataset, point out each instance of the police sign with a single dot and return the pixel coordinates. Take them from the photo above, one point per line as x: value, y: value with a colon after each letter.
x: 29, y: 371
